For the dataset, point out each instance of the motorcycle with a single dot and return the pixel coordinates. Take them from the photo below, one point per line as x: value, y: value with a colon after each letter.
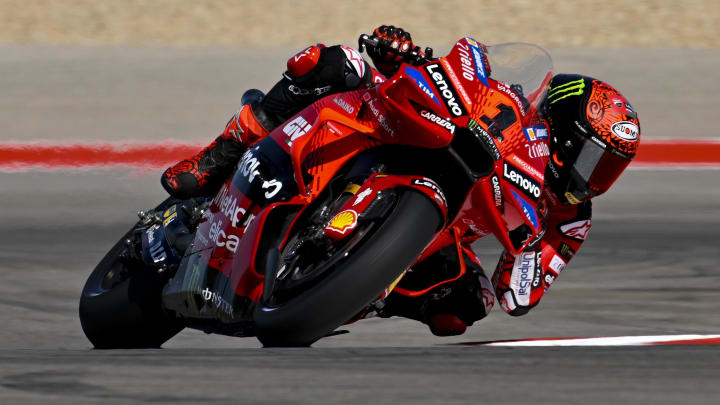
x: 321, y: 219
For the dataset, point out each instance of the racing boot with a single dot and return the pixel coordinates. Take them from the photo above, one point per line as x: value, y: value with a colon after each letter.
x: 203, y: 173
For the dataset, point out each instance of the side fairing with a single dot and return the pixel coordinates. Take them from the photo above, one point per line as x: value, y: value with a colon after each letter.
x: 217, y: 278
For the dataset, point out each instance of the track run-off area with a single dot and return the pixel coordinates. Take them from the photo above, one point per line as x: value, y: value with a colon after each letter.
x: 653, y: 153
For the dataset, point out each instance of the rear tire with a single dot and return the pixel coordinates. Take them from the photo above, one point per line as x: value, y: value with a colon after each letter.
x: 355, y: 281
x: 120, y: 305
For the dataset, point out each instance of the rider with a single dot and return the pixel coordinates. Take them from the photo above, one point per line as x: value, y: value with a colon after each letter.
x: 594, y: 133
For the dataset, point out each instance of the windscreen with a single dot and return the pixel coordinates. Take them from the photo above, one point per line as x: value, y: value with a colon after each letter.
x: 527, y: 65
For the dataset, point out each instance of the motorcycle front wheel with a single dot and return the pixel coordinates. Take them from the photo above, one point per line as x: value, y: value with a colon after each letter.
x: 352, y: 276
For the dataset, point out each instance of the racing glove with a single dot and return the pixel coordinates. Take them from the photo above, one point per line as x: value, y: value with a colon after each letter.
x: 394, y: 46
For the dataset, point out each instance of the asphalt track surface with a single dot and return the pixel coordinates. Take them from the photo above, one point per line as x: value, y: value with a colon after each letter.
x: 649, y: 266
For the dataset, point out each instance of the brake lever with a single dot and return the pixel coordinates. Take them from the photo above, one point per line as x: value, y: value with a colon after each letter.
x: 364, y: 40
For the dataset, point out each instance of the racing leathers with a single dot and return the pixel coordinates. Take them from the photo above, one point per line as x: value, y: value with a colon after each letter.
x: 521, y: 281
x: 313, y: 73
x: 447, y: 290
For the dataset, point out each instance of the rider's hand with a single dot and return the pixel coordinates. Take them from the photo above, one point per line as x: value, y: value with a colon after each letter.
x: 394, y: 46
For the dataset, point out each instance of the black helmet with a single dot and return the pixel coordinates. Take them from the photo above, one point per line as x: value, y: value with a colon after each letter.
x: 594, y: 134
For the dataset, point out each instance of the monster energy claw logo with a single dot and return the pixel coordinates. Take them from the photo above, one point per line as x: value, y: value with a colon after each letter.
x: 573, y: 88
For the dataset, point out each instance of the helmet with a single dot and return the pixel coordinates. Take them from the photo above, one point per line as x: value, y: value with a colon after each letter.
x: 594, y: 134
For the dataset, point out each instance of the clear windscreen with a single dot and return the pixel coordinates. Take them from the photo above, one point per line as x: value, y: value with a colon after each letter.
x: 527, y: 65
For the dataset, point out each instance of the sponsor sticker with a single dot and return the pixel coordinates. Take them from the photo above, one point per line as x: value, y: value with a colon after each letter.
x: 526, y: 208
x: 549, y: 279
x: 569, y: 89
x: 466, y: 63
x: 497, y: 193
x: 557, y: 264
x: 343, y: 221
x: 523, y: 274
x: 571, y: 198
x: 156, y: 248
x: 444, y: 123
x: 221, y: 239
x: 527, y: 167
x: 522, y: 181
x: 485, y: 138
x: 217, y: 301
x: 473, y: 226
x: 425, y: 182
x: 477, y: 56
x: 170, y: 211
x: 566, y: 251
x: 537, y: 150
x: 360, y: 197
x: 536, y: 133
x: 446, y: 89
x: 169, y: 219
x: 296, y: 128
x: 625, y: 130
x: 420, y: 81
x: 505, y: 88
x: 576, y: 230
x: 370, y: 101
x: 342, y: 103
x: 249, y: 166
x: 454, y: 80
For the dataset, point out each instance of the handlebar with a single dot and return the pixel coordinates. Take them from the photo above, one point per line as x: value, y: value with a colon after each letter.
x: 414, y: 57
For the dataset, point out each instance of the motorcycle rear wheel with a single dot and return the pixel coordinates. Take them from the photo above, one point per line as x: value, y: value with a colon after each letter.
x: 355, y: 281
x: 120, y: 306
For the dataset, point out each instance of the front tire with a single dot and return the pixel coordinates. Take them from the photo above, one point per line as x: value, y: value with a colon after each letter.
x: 355, y: 281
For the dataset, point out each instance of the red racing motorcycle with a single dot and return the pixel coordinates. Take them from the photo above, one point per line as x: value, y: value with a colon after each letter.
x: 322, y: 217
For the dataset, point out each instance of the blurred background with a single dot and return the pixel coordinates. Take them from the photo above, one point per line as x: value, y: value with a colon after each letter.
x: 160, y: 71
x: 94, y: 71
x: 549, y: 23
x: 136, y: 63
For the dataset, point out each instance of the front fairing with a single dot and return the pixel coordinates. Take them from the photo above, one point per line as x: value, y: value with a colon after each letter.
x: 499, y: 109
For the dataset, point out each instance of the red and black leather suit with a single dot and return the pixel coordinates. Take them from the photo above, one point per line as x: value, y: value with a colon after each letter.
x: 445, y: 291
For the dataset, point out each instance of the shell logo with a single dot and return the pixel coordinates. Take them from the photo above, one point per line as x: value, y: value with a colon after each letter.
x: 343, y: 221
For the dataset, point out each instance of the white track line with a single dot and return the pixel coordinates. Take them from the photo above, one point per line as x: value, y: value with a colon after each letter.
x: 606, y: 341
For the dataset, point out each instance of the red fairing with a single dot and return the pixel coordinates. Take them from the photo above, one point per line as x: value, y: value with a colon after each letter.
x: 425, y: 106
x: 342, y: 224
x: 304, y: 61
x: 377, y: 77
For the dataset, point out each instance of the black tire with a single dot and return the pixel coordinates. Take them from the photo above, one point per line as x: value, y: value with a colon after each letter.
x: 120, y: 307
x: 359, y: 279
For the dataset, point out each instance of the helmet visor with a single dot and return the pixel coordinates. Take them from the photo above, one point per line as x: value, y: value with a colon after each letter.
x: 595, y: 170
